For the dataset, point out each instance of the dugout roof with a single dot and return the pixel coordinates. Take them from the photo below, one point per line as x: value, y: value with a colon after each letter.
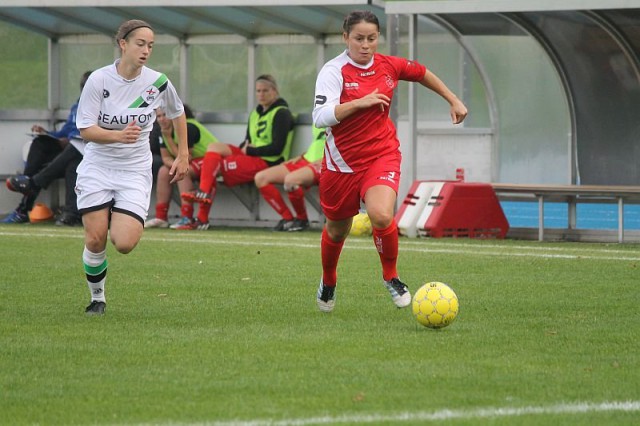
x: 594, y: 46
x: 184, y: 18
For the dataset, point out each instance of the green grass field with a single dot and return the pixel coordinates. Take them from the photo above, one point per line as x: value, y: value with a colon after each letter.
x: 221, y: 328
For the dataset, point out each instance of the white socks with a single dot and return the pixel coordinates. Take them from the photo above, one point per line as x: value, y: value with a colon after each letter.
x: 95, y: 267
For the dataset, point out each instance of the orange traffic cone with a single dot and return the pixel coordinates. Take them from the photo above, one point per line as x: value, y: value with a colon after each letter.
x: 40, y: 213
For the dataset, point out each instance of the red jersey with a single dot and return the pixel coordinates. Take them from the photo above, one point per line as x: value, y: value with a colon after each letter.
x: 355, y: 142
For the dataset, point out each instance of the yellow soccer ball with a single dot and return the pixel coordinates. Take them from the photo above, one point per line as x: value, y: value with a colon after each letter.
x: 435, y: 305
x: 361, y: 225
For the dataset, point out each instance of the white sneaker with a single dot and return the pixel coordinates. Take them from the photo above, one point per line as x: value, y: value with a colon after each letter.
x: 399, y: 292
x: 326, y: 297
x: 182, y: 222
x: 156, y: 223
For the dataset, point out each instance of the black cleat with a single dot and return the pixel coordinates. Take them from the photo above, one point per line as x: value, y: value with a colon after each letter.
x: 68, y: 219
x: 96, y: 308
x: 283, y: 225
x: 297, y: 225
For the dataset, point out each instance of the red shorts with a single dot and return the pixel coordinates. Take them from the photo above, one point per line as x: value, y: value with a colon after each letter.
x: 303, y: 162
x: 240, y: 168
x: 292, y: 166
x: 316, y: 168
x: 341, y: 193
x: 196, y: 166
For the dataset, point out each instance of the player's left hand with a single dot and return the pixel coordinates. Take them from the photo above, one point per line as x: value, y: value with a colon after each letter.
x: 179, y: 168
x: 458, y: 112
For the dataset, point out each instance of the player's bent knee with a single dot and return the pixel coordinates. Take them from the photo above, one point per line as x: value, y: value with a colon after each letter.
x: 338, y: 232
x: 260, y: 180
x: 95, y: 246
x: 163, y: 172
x: 379, y: 219
x: 124, y: 247
x: 95, y: 241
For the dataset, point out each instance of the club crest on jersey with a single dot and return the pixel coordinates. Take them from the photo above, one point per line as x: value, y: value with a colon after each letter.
x: 390, y: 83
x: 149, y: 94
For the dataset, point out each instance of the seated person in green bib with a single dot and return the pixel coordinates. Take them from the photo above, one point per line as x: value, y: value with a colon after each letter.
x: 267, y: 143
x: 199, y: 139
x: 296, y: 175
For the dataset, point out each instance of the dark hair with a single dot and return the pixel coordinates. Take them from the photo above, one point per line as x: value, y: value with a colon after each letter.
x: 127, y: 27
x: 269, y: 79
x: 84, y: 78
x: 188, y: 111
x: 358, y: 16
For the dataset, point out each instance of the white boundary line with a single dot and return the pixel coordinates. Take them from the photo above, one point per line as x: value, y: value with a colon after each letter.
x: 440, y: 415
x: 473, y: 249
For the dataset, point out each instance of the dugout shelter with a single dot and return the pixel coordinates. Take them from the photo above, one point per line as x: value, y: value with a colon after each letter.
x: 552, y: 87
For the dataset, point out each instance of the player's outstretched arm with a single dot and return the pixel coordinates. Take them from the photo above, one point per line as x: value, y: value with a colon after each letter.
x: 458, y: 110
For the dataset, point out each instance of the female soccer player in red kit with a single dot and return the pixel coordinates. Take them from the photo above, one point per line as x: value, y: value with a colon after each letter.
x: 362, y: 156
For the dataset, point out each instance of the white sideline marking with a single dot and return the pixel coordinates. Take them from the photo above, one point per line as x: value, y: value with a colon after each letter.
x: 440, y: 415
x: 576, y: 253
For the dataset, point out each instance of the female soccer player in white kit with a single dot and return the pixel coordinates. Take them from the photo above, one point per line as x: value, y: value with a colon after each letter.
x: 362, y: 155
x: 115, y: 115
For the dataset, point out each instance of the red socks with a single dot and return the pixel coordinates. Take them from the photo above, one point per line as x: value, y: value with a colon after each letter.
x: 186, y: 209
x: 271, y: 194
x: 297, y: 201
x: 205, y: 208
x: 162, y: 211
x: 386, y: 241
x: 330, y: 254
x: 210, y: 168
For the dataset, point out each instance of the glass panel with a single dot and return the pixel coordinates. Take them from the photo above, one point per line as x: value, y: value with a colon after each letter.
x: 442, y: 55
x: 166, y: 59
x: 23, y: 75
x: 475, y: 97
x: 333, y: 50
x: 296, y: 83
x: 218, y: 77
x: 533, y: 118
x: 76, y: 58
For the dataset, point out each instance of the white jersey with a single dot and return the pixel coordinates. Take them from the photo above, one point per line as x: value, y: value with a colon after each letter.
x: 111, y: 102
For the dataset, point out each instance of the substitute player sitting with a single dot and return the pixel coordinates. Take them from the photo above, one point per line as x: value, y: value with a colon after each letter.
x: 297, y: 175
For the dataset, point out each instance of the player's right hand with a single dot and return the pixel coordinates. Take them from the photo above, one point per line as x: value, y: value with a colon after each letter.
x: 131, y: 133
x: 374, y: 98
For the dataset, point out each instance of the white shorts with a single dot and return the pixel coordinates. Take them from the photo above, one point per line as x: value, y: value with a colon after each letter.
x: 124, y: 191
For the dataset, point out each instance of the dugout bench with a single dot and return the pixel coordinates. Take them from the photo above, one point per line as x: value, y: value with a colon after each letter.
x: 572, y: 195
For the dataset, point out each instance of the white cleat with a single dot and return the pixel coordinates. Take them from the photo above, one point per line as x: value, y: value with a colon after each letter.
x: 326, y: 298
x: 399, y: 292
x: 156, y: 223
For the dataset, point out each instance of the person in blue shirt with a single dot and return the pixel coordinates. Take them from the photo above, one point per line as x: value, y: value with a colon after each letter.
x: 45, y: 147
